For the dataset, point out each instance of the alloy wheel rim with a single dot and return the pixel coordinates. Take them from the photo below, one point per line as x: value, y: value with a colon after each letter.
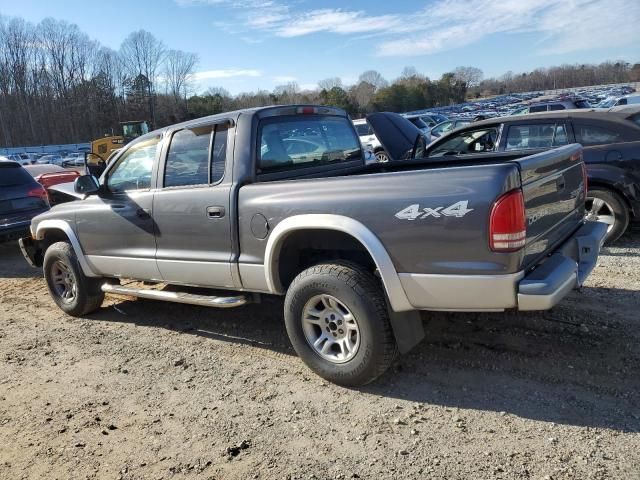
x: 599, y: 210
x: 330, y: 328
x: 64, y: 282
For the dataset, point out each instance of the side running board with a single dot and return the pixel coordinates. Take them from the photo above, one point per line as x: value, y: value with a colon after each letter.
x: 177, y: 297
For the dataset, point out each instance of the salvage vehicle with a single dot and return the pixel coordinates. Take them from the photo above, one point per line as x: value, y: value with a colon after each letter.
x: 611, y: 149
x: 21, y: 199
x: 356, y: 250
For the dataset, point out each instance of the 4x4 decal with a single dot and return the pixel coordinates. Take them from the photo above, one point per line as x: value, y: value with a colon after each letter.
x: 458, y: 209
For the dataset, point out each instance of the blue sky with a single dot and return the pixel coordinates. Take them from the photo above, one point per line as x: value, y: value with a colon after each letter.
x: 246, y: 45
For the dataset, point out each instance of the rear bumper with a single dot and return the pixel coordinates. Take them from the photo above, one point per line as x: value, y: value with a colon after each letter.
x: 14, y: 230
x: 566, y: 269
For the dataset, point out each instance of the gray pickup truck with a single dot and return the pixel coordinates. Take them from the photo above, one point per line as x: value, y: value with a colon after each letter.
x: 280, y: 200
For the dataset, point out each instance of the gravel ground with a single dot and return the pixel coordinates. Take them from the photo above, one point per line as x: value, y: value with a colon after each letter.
x: 143, y: 389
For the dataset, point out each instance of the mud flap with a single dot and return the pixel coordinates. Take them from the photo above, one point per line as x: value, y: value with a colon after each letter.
x: 407, y: 328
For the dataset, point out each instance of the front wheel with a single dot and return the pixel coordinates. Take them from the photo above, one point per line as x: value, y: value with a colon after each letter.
x: 337, y: 320
x: 606, y: 206
x: 75, y: 293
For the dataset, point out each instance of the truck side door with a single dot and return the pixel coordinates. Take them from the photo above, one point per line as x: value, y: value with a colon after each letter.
x: 115, y: 228
x: 191, y: 208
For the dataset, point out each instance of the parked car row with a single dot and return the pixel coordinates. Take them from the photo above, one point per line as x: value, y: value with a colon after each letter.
x: 70, y: 159
x: 611, y: 150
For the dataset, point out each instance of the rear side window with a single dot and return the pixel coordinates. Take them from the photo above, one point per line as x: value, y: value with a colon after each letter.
x: 595, y: 135
x: 189, y: 154
x: 13, y: 174
x: 538, y: 108
x: 557, y: 106
x: 539, y: 135
x: 288, y: 143
x: 582, y: 104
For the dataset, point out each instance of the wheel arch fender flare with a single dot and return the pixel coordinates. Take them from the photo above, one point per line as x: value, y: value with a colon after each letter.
x: 62, y: 225
x: 395, y: 292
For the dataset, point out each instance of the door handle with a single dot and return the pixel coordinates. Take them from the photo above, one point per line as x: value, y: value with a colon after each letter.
x: 143, y: 213
x: 215, y: 212
x: 117, y: 207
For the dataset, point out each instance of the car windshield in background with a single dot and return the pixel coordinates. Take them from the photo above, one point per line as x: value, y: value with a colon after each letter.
x: 418, y: 122
x: 12, y: 174
x: 297, y: 142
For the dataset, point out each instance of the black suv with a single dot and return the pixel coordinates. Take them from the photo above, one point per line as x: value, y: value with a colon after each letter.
x: 611, y: 142
x: 21, y: 199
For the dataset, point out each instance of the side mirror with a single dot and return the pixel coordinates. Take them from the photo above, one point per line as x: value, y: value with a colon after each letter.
x: 86, y: 185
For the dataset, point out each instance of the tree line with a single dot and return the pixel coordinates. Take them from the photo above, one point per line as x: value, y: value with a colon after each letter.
x: 57, y: 85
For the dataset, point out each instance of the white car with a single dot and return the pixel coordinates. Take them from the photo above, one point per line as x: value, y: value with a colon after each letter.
x: 369, y: 141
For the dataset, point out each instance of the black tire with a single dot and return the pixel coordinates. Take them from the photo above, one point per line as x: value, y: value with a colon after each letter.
x: 362, y: 295
x: 86, y: 296
x: 613, y: 204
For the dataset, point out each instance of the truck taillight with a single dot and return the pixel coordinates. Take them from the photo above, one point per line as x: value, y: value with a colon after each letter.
x: 508, y: 223
x: 585, y: 180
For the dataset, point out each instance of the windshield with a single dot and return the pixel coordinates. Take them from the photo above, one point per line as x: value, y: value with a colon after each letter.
x: 607, y: 103
x: 288, y: 143
x: 418, y: 122
x: 135, y: 130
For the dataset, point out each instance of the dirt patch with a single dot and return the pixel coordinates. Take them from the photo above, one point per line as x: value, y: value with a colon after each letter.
x: 143, y: 389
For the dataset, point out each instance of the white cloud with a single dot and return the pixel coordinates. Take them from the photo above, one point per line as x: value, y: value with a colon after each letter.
x: 336, y: 21
x: 229, y: 73
x: 562, y: 25
x: 284, y: 79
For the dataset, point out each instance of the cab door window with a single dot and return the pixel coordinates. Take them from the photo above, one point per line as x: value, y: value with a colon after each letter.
x: 196, y: 156
x: 133, y: 168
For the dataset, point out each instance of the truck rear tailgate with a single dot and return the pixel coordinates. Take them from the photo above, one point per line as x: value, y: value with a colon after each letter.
x: 553, y: 185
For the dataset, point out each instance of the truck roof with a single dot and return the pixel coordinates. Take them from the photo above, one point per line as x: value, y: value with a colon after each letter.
x: 233, y: 115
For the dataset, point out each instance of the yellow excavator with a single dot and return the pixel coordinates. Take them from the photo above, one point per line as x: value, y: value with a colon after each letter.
x: 103, y: 148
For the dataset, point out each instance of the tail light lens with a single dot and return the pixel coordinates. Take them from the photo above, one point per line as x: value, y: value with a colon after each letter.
x: 508, y: 223
x: 577, y: 157
x: 39, y: 192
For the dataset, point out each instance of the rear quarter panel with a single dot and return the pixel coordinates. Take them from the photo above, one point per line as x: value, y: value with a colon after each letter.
x: 431, y: 243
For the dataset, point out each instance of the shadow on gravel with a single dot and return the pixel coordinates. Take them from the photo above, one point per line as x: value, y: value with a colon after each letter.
x: 577, y: 364
x: 13, y: 264
x: 257, y: 325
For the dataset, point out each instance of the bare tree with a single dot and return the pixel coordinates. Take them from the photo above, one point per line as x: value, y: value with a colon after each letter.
x: 374, y: 78
x: 179, y: 70
x: 328, y: 83
x: 142, y: 54
x: 469, y: 75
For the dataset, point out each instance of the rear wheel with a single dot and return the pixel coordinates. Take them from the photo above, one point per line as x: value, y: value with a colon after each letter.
x: 337, y: 321
x: 74, y: 292
x: 606, y: 206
